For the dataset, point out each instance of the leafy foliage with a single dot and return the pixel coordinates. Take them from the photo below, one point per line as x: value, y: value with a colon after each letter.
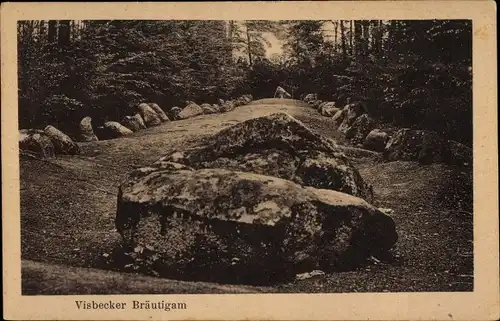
x: 410, y: 73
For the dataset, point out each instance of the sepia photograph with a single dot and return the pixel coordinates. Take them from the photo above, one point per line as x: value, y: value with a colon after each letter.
x: 271, y: 156
x: 219, y: 156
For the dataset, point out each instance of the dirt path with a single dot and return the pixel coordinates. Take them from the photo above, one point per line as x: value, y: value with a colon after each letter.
x: 68, y: 205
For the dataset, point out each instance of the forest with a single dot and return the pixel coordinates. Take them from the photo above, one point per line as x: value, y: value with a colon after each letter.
x: 414, y: 74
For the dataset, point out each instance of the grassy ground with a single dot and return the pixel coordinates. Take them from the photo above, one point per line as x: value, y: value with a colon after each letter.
x: 68, y: 206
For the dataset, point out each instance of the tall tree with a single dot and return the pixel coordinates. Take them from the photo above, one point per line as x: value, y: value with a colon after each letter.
x: 52, y: 31
x: 358, y: 38
x: 343, y: 38
x: 249, y: 38
x: 351, y: 27
x: 64, y: 33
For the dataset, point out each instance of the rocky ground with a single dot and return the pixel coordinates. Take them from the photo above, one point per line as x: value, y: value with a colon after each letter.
x: 68, y: 207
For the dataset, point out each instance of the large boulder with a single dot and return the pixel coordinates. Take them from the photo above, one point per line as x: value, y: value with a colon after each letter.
x: 376, y: 140
x: 237, y: 102
x: 328, y: 109
x: 351, y: 112
x: 416, y: 145
x: 86, y: 132
x: 316, y: 103
x: 338, y: 117
x: 281, y: 146
x: 281, y: 93
x: 174, y: 112
x: 241, y: 101
x: 134, y: 123
x: 360, y: 129
x: 113, y: 129
x: 426, y: 147
x: 216, y: 108
x: 221, y: 101
x: 228, y: 226
x: 159, y: 112
x: 208, y: 109
x: 191, y: 110
x: 63, y: 144
x: 227, y: 106
x: 36, y: 142
x: 148, y: 114
x: 247, y: 98
x: 310, y: 98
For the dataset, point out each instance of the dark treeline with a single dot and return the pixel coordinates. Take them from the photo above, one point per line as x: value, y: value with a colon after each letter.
x: 409, y: 73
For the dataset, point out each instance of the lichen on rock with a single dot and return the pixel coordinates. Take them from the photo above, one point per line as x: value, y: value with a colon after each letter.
x: 223, y: 225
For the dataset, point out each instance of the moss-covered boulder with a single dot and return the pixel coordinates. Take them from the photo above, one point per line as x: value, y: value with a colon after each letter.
x: 113, y: 129
x: 281, y: 146
x: 63, y: 144
x: 148, y: 114
x: 376, y: 140
x: 191, y: 110
x: 86, y: 131
x: 328, y: 109
x: 222, y: 225
x: 36, y: 142
x: 134, y: 123
x: 360, y: 128
x: 161, y: 114
x: 351, y: 112
x: 208, y: 109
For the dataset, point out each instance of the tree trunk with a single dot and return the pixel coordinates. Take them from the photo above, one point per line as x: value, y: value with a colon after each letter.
x: 41, y: 35
x: 336, y: 26
x: 351, y: 48
x: 64, y: 33
x: 52, y: 31
x: 366, y: 37
x: 230, y: 30
x: 249, y: 47
x: 378, y: 37
x: 229, y: 38
x: 357, y: 38
x: 342, y: 35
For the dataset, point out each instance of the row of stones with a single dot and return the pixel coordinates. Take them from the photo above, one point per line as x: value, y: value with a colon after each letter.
x: 150, y: 115
x: 51, y: 141
x: 406, y: 144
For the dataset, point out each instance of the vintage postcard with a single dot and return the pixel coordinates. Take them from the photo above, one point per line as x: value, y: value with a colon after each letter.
x: 250, y: 161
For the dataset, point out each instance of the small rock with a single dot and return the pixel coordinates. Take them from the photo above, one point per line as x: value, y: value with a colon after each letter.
x: 376, y: 140
x: 308, y: 275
